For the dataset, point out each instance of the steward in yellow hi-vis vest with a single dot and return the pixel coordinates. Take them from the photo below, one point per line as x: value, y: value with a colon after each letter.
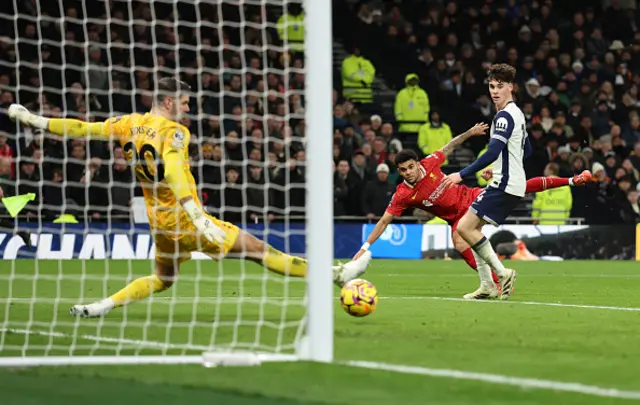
x: 553, y: 207
x: 412, y: 104
x: 291, y: 27
x: 434, y: 135
x: 358, y: 74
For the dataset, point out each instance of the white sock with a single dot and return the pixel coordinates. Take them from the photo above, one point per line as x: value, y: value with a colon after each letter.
x: 484, y: 250
x: 484, y: 272
x: 107, y: 303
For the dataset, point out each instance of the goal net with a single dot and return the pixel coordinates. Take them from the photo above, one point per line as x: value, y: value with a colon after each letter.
x: 253, y: 114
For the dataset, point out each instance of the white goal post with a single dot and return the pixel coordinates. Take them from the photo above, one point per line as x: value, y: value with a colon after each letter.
x: 66, y: 61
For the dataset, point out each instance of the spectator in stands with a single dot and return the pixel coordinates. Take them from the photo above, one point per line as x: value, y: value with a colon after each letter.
x: 209, y: 173
x: 412, y: 105
x: 6, y: 151
x: 376, y: 125
x: 232, y: 197
x: 296, y: 180
x: 379, y: 154
x: 635, y: 156
x: 632, y: 133
x: 53, y: 196
x: 386, y: 132
x: 97, y: 73
x: 632, y: 172
x: 350, y: 141
x: 354, y: 185
x: 371, y: 161
x: 369, y: 137
x: 562, y: 161
x: 377, y: 193
x: 340, y: 194
x: 257, y: 195
x: 633, y: 197
x: 7, y: 183
x: 27, y: 182
x: 121, y: 191
x: 360, y: 167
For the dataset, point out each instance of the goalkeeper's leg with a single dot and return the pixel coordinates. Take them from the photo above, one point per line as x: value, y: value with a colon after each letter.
x: 252, y: 248
x: 169, y: 255
x: 138, y: 289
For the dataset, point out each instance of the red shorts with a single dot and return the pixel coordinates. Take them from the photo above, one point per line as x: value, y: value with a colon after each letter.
x: 465, y: 202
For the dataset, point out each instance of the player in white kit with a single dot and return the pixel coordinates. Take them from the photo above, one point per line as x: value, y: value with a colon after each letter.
x: 508, y: 147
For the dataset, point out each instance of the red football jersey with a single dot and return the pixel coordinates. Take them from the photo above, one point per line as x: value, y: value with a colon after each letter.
x: 430, y: 195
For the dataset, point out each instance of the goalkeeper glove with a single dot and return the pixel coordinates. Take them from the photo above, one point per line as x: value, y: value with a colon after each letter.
x: 203, y: 224
x: 19, y: 113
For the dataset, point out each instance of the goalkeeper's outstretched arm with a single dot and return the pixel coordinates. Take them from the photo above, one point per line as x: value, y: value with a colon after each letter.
x: 59, y: 126
x: 177, y: 179
x: 378, y: 230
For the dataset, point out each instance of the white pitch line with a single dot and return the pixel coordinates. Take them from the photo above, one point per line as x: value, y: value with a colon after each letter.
x: 37, y: 361
x: 528, y: 275
x: 298, y: 300
x: 142, y: 343
x: 434, y: 372
x: 544, y: 304
x: 501, y: 379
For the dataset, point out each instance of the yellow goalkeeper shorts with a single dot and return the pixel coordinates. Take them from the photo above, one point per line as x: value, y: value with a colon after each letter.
x: 176, y: 245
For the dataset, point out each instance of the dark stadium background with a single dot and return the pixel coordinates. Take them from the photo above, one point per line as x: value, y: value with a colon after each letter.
x: 584, y: 113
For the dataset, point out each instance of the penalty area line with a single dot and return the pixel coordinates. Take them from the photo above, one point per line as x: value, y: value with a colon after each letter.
x: 524, y: 383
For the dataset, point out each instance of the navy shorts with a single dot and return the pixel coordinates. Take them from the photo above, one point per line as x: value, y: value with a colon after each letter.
x: 494, y: 205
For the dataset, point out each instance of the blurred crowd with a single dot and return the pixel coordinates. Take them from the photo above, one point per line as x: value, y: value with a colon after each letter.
x: 578, y: 76
x: 412, y: 77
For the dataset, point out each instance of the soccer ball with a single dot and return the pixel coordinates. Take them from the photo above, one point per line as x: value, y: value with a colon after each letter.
x: 359, y: 297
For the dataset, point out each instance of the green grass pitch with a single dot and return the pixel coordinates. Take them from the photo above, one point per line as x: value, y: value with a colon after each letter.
x: 417, y: 323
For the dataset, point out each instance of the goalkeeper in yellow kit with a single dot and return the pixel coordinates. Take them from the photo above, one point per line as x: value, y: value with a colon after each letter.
x: 157, y: 145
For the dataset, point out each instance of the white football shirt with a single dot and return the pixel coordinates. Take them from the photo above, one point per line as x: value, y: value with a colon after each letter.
x: 509, y: 126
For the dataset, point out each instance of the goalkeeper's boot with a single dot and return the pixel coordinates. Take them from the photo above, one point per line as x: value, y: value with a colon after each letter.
x: 483, y: 293
x: 582, y: 178
x: 344, y: 273
x: 94, y: 310
x: 507, y: 282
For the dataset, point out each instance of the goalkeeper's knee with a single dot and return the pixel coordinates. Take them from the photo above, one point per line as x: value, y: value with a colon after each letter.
x: 166, y: 281
x: 167, y: 274
x: 250, y: 247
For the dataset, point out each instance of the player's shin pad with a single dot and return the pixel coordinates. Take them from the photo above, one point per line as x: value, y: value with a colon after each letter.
x: 137, y: 290
x: 282, y: 263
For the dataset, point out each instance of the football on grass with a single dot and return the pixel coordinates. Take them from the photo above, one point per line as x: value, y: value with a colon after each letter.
x: 359, y: 297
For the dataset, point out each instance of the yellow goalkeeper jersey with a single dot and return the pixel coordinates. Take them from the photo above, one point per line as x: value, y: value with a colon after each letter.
x: 158, y: 148
x: 146, y: 139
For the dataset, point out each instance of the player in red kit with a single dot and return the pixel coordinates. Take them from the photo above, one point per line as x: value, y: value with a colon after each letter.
x: 423, y: 188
